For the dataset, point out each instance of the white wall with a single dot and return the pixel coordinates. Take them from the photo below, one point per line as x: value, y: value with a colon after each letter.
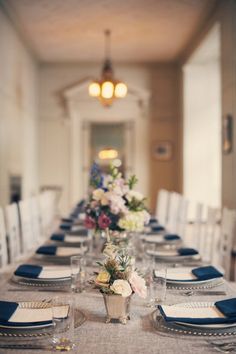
x: 202, y: 123
x: 56, y: 134
x: 18, y: 112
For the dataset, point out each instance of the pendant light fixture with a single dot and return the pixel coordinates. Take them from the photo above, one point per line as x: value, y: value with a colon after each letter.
x: 107, y: 88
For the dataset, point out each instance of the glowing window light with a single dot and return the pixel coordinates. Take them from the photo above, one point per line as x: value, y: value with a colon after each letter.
x: 106, y: 154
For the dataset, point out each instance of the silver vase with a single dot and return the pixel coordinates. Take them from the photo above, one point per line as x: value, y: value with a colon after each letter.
x: 117, y: 307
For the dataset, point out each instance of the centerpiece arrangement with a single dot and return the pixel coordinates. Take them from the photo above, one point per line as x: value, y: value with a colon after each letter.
x: 117, y: 280
x: 114, y: 205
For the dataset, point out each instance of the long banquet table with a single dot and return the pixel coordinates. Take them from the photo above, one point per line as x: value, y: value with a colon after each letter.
x: 139, y: 336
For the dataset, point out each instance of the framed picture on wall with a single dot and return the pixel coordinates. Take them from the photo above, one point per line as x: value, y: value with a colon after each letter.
x: 163, y: 150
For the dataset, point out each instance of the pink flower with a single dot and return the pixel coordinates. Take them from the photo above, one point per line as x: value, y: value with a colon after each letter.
x: 138, y: 284
x: 89, y: 222
x: 104, y: 221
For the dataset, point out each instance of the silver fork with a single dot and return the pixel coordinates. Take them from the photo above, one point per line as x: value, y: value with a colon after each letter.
x: 202, y: 292
x: 225, y: 347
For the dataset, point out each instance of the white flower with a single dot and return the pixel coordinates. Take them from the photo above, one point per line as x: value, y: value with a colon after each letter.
x: 121, y: 287
x: 133, y: 221
x: 117, y: 203
x: 98, y: 194
x: 105, y: 199
x: 134, y: 194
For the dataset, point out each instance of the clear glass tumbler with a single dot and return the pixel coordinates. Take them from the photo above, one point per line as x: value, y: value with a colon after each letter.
x: 157, y: 287
x: 63, y: 321
x: 78, y: 273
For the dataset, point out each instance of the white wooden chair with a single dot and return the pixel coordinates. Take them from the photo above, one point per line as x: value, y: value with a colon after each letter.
x: 36, y: 220
x: 209, y: 235
x: 29, y: 240
x: 175, y: 201
x: 197, y: 226
x: 162, y: 206
x: 47, y: 202
x: 182, y: 218
x: 227, y: 234
x: 3, y: 242
x: 13, y: 232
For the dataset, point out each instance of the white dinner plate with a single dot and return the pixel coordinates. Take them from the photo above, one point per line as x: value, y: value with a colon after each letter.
x: 201, y: 305
x: 32, y: 305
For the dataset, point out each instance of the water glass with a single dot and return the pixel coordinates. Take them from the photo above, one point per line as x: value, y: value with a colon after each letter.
x: 63, y: 321
x: 78, y: 273
x: 157, y: 287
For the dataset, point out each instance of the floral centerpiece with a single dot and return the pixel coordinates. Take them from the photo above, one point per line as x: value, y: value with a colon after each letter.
x: 115, y: 205
x: 117, y: 281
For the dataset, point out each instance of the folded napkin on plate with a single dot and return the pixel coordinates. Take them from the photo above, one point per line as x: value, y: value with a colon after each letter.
x: 189, y: 274
x: 153, y: 220
x: 33, y: 271
x: 212, y: 314
x: 69, y: 238
x: 11, y: 314
x: 205, y: 273
x: 172, y: 237
x: 67, y: 220
x: 60, y: 251
x: 66, y: 226
x: 7, y: 309
x: 49, y: 250
x: 187, y: 251
x: 157, y: 228
x: 227, y: 307
x: 28, y: 271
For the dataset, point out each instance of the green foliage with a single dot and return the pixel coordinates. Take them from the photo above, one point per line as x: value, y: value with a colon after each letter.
x: 136, y: 205
x: 133, y: 180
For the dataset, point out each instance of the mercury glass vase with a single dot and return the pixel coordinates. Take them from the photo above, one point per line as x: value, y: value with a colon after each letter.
x: 117, y: 308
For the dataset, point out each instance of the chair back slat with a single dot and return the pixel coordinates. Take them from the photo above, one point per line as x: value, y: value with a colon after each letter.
x: 13, y: 232
x: 3, y: 241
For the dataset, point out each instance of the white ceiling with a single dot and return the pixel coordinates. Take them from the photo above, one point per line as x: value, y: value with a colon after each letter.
x: 142, y: 30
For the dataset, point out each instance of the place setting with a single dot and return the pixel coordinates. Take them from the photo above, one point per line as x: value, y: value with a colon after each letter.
x: 198, y: 318
x: 51, y: 322
x: 59, y: 254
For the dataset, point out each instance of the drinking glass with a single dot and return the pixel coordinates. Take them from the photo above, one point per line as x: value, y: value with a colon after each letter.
x: 78, y: 273
x: 157, y: 288
x: 63, y: 321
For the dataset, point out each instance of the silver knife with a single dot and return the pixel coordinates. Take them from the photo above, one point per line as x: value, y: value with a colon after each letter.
x: 26, y: 346
x: 41, y: 289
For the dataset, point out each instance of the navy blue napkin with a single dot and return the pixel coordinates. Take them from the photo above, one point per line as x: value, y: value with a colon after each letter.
x: 227, y: 307
x: 157, y: 228
x: 172, y: 237
x: 205, y: 273
x: 67, y: 220
x: 74, y: 214
x: 153, y: 221
x: 58, y: 237
x: 66, y: 226
x: 7, y: 309
x: 187, y: 251
x: 48, y: 250
x: 28, y: 271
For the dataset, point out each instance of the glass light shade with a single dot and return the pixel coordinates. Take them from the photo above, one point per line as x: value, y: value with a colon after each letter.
x: 94, y: 89
x: 107, y: 89
x: 120, y: 90
x: 107, y: 154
